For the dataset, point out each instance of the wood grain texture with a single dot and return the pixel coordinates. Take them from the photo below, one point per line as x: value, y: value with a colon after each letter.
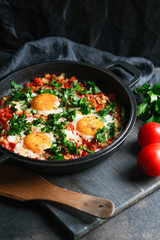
x: 24, y: 185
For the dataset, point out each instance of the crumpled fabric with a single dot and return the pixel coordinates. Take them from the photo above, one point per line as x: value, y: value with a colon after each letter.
x: 124, y: 27
x: 58, y: 48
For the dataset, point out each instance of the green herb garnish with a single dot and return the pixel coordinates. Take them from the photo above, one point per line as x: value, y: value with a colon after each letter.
x: 54, y: 83
x: 110, y: 108
x: 100, y: 135
x: 52, y: 91
x: 93, y: 89
x: 18, y: 124
x: 148, y: 109
x: 85, y: 149
x: 84, y: 106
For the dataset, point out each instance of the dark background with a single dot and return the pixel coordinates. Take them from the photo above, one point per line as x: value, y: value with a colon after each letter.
x: 122, y: 27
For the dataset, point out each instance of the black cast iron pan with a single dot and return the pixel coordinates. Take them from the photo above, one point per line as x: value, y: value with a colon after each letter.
x: 106, y: 80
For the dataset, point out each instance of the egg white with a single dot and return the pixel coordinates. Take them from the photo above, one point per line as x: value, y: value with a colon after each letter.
x: 22, y: 150
x: 75, y: 121
x: 55, y: 109
x: 73, y: 136
x: 108, y: 119
x: 19, y: 140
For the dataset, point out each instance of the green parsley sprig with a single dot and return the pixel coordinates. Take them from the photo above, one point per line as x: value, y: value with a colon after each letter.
x: 18, y: 94
x: 148, y: 109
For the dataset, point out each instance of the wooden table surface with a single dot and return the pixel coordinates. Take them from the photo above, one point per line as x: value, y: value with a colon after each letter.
x: 138, y: 222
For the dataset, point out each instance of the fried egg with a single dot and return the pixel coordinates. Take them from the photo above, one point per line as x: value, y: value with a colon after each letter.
x: 87, y: 125
x: 46, y: 103
x: 33, y: 144
x: 37, y: 142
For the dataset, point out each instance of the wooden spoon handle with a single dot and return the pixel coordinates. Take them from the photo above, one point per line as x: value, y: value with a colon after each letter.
x: 95, y: 206
x: 24, y: 185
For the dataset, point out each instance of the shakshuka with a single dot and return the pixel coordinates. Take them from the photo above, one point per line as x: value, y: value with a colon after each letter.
x: 58, y: 118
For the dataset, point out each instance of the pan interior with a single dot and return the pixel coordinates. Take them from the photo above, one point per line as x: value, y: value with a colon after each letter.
x: 105, y: 80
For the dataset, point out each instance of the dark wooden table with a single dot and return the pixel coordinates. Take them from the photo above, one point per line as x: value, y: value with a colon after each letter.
x: 30, y: 221
x: 139, y: 222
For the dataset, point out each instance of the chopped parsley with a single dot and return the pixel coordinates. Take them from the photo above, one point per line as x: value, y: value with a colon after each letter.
x: 110, y: 108
x: 54, y: 83
x: 100, y: 135
x: 56, y: 152
x: 6, y: 102
x: 75, y: 86
x: 18, y: 124
x: 53, y: 124
x: 71, y: 147
x: 65, y: 146
x: 52, y: 91
x: 85, y: 149
x: 84, y: 106
x: 18, y: 94
x: 92, y: 88
x: 37, y: 122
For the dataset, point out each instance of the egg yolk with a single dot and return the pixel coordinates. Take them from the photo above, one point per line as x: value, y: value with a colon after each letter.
x: 44, y: 101
x: 89, y: 125
x: 37, y: 142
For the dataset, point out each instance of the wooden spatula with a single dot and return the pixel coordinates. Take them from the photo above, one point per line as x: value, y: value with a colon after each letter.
x: 24, y: 185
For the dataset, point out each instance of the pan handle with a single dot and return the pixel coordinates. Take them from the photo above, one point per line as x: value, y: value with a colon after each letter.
x: 128, y: 68
x: 3, y: 158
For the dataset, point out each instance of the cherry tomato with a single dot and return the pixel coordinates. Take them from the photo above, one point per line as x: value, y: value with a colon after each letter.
x: 149, y: 133
x: 149, y: 159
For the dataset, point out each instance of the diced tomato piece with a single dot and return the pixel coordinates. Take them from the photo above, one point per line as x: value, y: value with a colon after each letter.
x: 93, y: 146
x: 51, y: 77
x: 37, y: 82
x: 1, y: 102
x: 71, y: 127
x: 73, y: 78
x: 27, y: 85
x: 12, y: 145
x: 84, y: 153
x: 98, y: 107
x: 68, y: 84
